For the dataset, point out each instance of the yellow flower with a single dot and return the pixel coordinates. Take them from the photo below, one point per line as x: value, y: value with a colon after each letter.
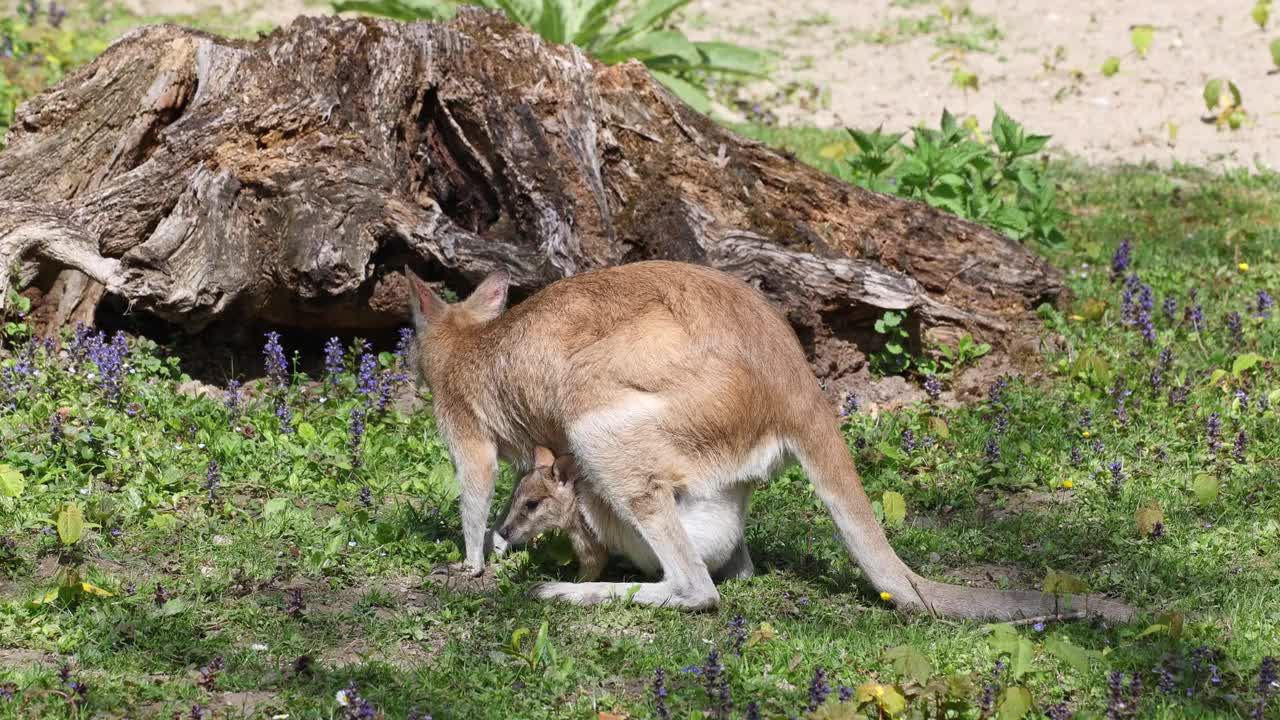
x: 885, y: 596
x: 1244, y: 267
x: 1078, y: 318
x: 1067, y: 484
x: 1085, y: 433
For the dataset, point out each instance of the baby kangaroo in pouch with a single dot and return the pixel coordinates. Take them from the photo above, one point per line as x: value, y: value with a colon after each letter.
x: 548, y: 498
x: 675, y: 387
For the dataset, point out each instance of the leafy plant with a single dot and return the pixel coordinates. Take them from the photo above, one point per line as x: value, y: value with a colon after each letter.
x: 645, y: 35
x: 895, y: 357
x: 1261, y: 13
x: 1141, y: 37
x: 1110, y: 66
x: 992, y: 182
x: 1225, y: 108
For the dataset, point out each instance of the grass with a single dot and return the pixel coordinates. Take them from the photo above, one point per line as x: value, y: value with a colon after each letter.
x: 305, y: 570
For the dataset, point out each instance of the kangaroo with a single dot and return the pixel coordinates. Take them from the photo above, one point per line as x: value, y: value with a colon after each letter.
x: 664, y: 380
x: 548, y: 498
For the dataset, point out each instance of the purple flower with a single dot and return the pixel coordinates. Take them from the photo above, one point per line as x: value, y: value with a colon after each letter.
x: 1214, y: 431
x: 212, y: 479
x: 738, y: 631
x: 908, y: 441
x: 1264, y: 305
x: 209, y: 673
x: 1077, y: 457
x: 845, y: 693
x: 404, y: 343
x: 1195, y: 316
x: 753, y: 711
x: 1117, y: 472
x: 354, y: 706
x: 284, y: 414
x: 365, y: 496
x: 355, y: 433
x: 1001, y: 424
x: 1086, y: 419
x: 1168, y: 685
x: 367, y: 381
x: 1268, y: 684
x: 1157, y: 379
x: 1243, y: 397
x: 991, y: 451
x: 1157, y: 530
x: 1120, y: 260
x: 660, y: 694
x: 1170, y: 308
x: 273, y: 355
x: 55, y: 429
x: 1147, y: 328
x: 1237, y: 330
x: 1165, y: 358
x: 1237, y: 452
x: 57, y: 14
x: 332, y: 361
x: 996, y: 394
x: 850, y: 405
x: 231, y: 400
x: 1058, y: 712
x: 1038, y: 627
x: 933, y: 387
x: 818, y: 689
x: 1122, y: 414
x: 1178, y: 395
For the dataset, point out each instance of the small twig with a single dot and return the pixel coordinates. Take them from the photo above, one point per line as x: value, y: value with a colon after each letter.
x: 928, y: 606
x: 1077, y: 615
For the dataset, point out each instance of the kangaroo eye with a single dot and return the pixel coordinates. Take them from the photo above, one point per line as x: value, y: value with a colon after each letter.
x: 531, y: 505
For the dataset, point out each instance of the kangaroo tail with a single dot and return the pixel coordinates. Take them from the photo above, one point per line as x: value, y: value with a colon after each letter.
x: 826, y: 460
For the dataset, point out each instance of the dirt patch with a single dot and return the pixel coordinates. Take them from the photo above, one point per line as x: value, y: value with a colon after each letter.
x: 892, y: 63
x: 23, y: 657
x: 991, y: 575
x: 458, y: 579
x: 247, y: 703
x: 404, y: 655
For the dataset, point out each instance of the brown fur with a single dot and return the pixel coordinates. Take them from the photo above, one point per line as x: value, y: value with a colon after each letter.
x: 663, y: 379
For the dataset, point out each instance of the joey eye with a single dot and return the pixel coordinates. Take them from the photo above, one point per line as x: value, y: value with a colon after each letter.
x: 531, y: 505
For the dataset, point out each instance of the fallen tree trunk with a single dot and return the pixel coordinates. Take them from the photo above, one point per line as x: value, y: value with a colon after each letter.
x: 216, y: 184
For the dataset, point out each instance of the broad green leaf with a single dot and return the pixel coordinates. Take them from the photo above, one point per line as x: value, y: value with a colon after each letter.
x: 692, y: 95
x: 1152, y: 630
x: 728, y: 57
x: 307, y: 432
x: 70, y: 524
x: 939, y: 427
x: 397, y: 9
x: 1212, y: 94
x: 1110, y: 66
x: 1245, y: 362
x: 895, y: 508
x: 1070, y: 653
x: 662, y: 44
x: 1275, y: 52
x: 11, y: 482
x: 1205, y: 487
x: 551, y: 22
x: 909, y: 663
x: 890, y: 451
x: 1141, y: 37
x: 1056, y: 583
x: 274, y: 506
x: 1173, y: 620
x: 1015, y: 704
x: 649, y: 17
x: 442, y: 479
x: 1261, y: 13
x: 1005, y: 639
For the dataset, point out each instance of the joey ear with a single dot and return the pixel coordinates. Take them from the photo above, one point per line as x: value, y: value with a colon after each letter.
x: 489, y: 298
x: 564, y: 471
x: 543, y: 458
x: 427, y: 307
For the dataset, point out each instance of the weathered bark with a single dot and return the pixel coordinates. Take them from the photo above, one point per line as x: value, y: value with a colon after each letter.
x: 290, y: 179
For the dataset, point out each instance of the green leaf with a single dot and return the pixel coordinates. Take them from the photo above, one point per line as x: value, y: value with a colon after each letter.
x: 909, y: 663
x: 1070, y: 653
x: 307, y: 432
x: 11, y: 482
x: 1205, y: 487
x: 692, y: 95
x: 728, y: 57
x: 551, y: 22
x: 649, y: 17
x: 1141, y: 37
x: 70, y: 524
x: 764, y: 633
x: 396, y: 9
x: 274, y: 506
x: 1110, y: 66
x: 1212, y: 94
x: 1261, y: 13
x: 1245, y: 362
x: 1016, y: 703
x: 1056, y: 583
x: 890, y: 451
x: 1006, y: 639
x: 895, y: 508
x: 1275, y: 52
x: 886, y: 697
x: 442, y: 479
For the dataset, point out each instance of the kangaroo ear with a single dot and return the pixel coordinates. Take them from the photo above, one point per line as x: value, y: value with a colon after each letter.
x: 543, y: 458
x: 489, y: 298
x: 564, y: 470
x: 427, y: 307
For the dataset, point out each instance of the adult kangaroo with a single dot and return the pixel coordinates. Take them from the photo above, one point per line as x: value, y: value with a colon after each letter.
x: 667, y: 381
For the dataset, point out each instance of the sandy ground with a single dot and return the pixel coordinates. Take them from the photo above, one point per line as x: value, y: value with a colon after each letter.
x: 903, y: 77
x: 887, y: 62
